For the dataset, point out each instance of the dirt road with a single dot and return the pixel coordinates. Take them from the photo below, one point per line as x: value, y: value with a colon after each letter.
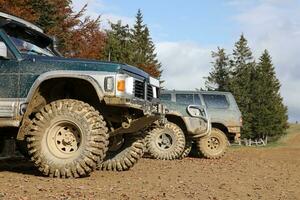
x: 244, y: 173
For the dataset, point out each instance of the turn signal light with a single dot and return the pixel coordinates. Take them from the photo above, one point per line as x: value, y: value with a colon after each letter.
x: 121, y: 85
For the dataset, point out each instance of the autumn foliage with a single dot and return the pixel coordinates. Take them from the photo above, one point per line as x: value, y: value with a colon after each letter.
x: 78, y: 36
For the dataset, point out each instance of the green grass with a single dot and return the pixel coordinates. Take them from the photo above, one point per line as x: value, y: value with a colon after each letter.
x: 292, y: 131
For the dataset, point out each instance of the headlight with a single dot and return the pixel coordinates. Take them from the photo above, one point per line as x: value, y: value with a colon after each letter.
x: 109, y: 84
x: 121, y: 85
x: 124, y: 85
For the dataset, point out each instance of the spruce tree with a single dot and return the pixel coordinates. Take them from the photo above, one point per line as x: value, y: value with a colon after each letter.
x: 241, y: 84
x: 144, y: 55
x: 267, y: 106
x: 118, y: 47
x: 219, y: 75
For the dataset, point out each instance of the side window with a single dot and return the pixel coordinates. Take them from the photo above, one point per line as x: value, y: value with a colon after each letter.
x: 4, y: 50
x: 215, y: 101
x: 166, y: 97
x: 197, y: 99
x: 185, y: 98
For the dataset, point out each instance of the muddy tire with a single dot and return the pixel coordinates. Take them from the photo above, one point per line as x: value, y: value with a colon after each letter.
x: 187, y: 149
x: 165, y: 143
x: 67, y: 139
x: 213, y: 146
x: 124, y: 157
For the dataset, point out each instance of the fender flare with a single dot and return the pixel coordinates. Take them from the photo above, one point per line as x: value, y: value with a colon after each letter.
x: 65, y: 74
x: 53, y: 75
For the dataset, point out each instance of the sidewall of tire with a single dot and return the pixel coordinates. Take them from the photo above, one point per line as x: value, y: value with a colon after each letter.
x: 94, y: 139
x: 204, y: 149
x: 178, y: 145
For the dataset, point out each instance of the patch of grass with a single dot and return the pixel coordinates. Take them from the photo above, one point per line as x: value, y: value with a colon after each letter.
x: 292, y: 131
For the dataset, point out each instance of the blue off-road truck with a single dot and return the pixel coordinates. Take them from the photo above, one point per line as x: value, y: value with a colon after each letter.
x: 70, y: 115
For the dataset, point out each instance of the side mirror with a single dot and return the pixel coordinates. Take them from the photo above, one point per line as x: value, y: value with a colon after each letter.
x: 197, y: 111
x: 3, y: 50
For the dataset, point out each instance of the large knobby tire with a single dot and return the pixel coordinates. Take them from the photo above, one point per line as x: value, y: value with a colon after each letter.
x: 165, y: 143
x: 187, y: 149
x: 126, y: 156
x: 67, y: 139
x: 213, y: 146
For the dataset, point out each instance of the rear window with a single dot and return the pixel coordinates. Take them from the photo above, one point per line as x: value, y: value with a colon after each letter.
x: 215, y: 101
x: 185, y: 98
x: 166, y: 97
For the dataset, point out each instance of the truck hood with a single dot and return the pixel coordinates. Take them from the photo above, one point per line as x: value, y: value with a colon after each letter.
x: 61, y: 63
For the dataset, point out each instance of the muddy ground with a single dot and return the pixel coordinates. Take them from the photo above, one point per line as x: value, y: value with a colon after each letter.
x: 244, y: 173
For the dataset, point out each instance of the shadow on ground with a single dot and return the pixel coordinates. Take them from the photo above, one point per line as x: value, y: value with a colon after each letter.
x: 18, y: 165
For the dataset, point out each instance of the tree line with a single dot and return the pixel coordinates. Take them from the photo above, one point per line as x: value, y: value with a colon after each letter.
x: 254, y: 86
x: 81, y: 36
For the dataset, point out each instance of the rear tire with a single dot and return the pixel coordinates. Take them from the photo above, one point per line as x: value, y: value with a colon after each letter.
x: 124, y: 157
x: 187, y: 149
x: 67, y: 139
x: 213, y: 146
x: 166, y: 143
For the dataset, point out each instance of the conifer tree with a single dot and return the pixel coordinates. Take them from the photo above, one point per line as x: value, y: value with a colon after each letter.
x: 267, y: 105
x: 118, y: 47
x: 133, y: 46
x: 144, y: 55
x: 219, y: 75
x: 241, y: 84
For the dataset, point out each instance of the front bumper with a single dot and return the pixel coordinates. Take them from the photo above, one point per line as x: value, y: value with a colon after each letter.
x: 148, y: 108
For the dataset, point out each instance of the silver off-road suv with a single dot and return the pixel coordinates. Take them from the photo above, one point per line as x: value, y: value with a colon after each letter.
x: 184, y: 124
x: 221, y: 107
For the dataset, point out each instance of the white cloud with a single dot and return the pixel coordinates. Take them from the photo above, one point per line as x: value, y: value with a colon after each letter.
x: 98, y: 8
x: 185, y: 64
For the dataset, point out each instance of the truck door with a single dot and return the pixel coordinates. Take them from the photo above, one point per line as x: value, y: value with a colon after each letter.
x: 9, y: 81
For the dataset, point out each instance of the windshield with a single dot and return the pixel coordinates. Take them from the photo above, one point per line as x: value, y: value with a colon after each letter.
x: 29, y: 41
x: 29, y: 48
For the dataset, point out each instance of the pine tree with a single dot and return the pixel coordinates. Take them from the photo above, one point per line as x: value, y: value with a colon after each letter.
x: 133, y: 46
x: 267, y: 106
x: 144, y: 55
x: 219, y: 75
x: 241, y: 84
x: 118, y: 46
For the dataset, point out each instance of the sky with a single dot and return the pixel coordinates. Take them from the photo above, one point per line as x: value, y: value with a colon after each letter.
x: 185, y: 33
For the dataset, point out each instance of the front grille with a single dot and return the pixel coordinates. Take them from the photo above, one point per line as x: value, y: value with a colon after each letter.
x: 139, y: 89
x: 149, y: 93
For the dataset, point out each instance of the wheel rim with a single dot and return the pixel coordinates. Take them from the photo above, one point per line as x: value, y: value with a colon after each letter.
x: 213, y: 143
x: 165, y: 141
x: 64, y: 139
